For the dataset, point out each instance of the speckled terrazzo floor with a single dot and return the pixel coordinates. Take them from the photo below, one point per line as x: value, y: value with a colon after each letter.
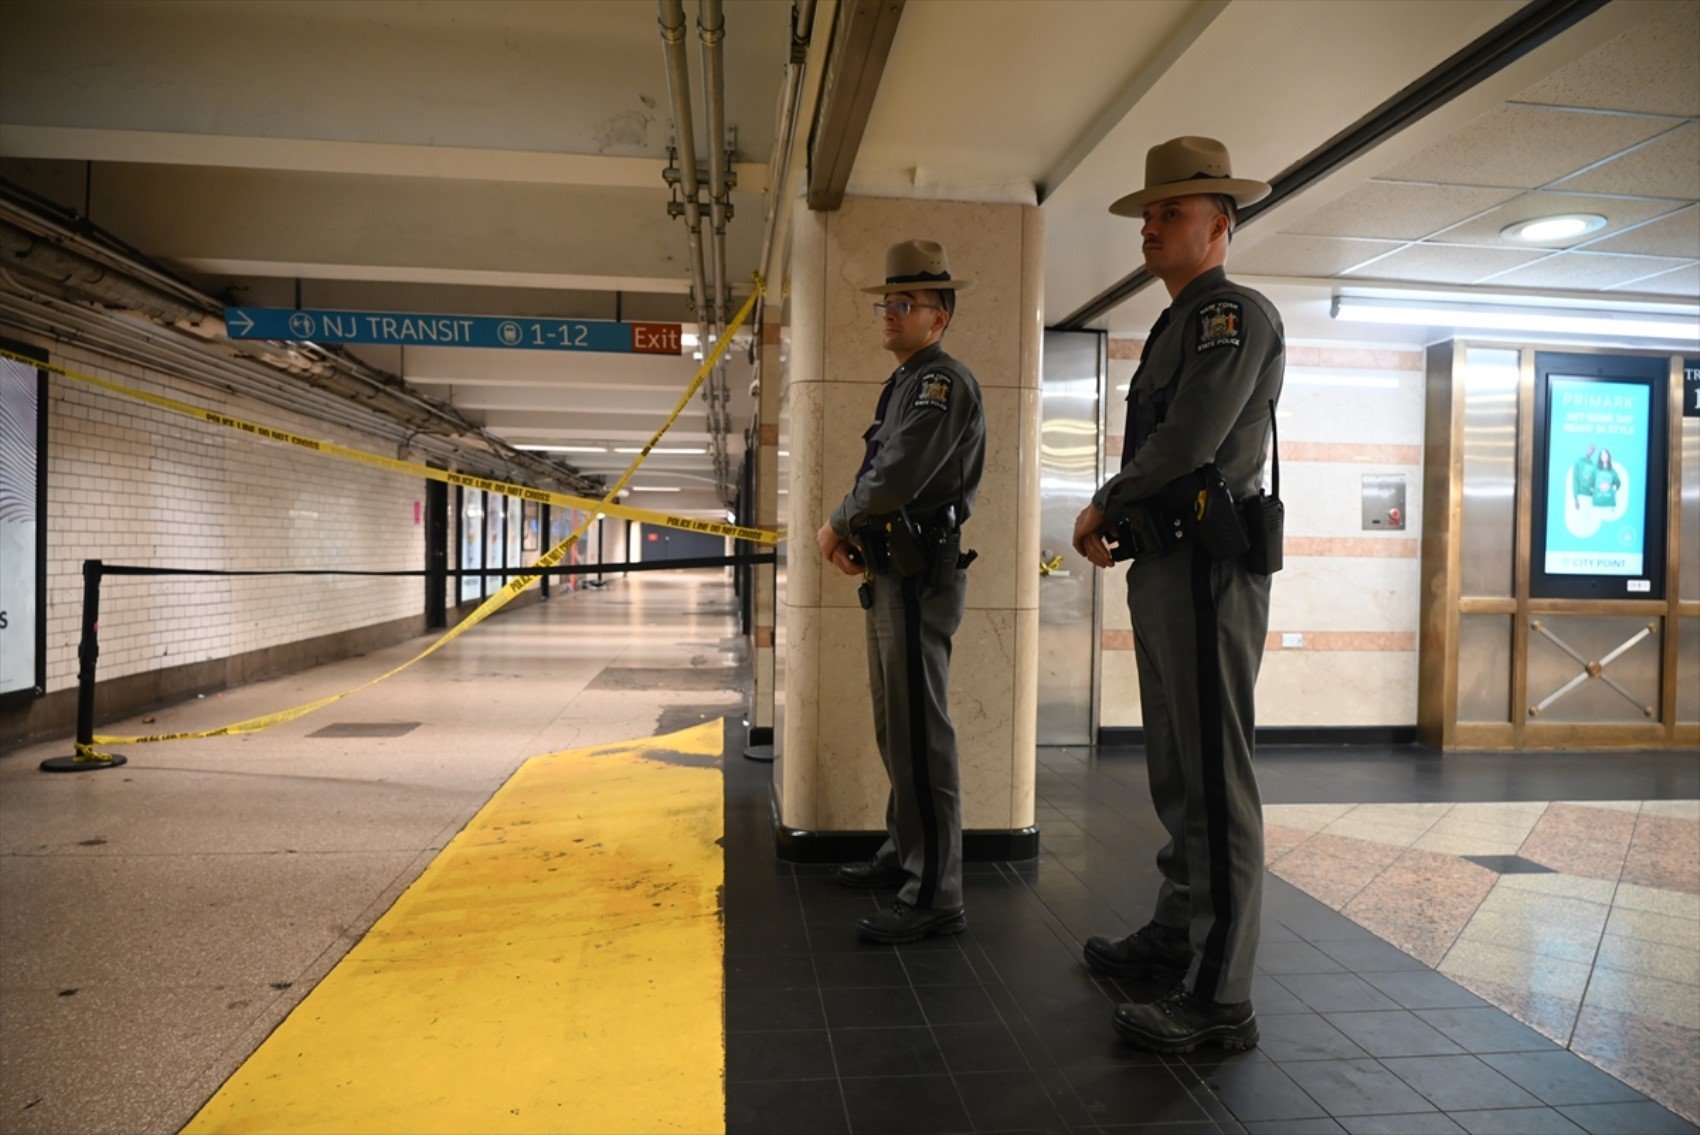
x: 1581, y: 919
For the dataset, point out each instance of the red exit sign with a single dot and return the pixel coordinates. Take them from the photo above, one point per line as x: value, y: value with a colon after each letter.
x: 656, y: 339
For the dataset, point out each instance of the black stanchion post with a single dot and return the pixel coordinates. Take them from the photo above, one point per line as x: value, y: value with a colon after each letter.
x: 86, y: 757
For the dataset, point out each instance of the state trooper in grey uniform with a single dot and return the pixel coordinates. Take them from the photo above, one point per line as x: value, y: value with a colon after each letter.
x: 901, y: 525
x: 1204, y: 396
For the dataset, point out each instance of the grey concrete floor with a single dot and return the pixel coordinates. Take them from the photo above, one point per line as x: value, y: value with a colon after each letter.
x: 158, y: 920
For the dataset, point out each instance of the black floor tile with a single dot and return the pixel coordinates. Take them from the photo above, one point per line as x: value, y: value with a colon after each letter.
x: 979, y: 1048
x: 859, y: 970
x: 1269, y: 996
x: 792, y: 1055
x: 937, y: 967
x: 1355, y: 1087
x: 1644, y: 1118
x: 785, y: 1107
x: 1310, y: 1126
x: 956, y: 1005
x: 1336, y: 992
x: 1425, y: 990
x: 769, y: 1009
x: 1134, y: 1094
x: 1008, y: 1101
x: 1486, y: 1029
x: 1304, y: 1036
x: 917, y: 1105
x: 1560, y: 1078
x: 1516, y: 1121
x: 883, y: 1007
x: 769, y: 971
x: 1458, y: 1083
x: 1393, y: 1032
x: 1429, y: 1123
x: 1261, y: 1091
x: 887, y: 1052
x: 1295, y: 957
x: 1371, y: 956
x: 766, y: 938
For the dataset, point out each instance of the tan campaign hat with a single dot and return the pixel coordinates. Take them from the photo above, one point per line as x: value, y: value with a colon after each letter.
x: 917, y: 265
x: 1182, y: 167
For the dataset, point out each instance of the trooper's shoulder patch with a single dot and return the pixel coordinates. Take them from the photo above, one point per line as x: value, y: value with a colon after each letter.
x: 1221, y: 323
x: 935, y: 390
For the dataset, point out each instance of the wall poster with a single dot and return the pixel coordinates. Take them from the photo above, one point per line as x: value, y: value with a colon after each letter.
x: 23, y: 527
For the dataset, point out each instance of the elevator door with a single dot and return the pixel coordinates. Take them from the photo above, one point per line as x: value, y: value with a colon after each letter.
x: 1071, y: 380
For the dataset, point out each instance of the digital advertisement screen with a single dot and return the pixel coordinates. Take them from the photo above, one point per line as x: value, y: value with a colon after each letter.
x: 1600, y: 497
x: 1597, y: 448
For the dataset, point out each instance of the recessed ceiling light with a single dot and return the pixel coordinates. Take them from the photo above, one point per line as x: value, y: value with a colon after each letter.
x: 1543, y: 229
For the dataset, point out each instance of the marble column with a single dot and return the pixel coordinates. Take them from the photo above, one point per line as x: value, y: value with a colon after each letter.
x: 829, y: 782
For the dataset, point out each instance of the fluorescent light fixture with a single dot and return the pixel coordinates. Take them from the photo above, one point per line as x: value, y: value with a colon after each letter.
x: 1644, y: 322
x: 691, y: 450
x: 563, y: 448
x: 655, y: 488
x: 1541, y: 230
x: 689, y: 339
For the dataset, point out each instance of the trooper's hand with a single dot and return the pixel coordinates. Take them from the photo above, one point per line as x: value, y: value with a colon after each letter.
x: 836, y: 550
x: 1089, y: 537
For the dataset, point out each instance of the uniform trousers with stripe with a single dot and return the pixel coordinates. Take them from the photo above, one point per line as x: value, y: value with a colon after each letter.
x: 909, y: 630
x: 1199, y: 625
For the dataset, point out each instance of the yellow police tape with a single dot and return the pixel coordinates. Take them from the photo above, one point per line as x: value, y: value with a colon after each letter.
x: 495, y: 602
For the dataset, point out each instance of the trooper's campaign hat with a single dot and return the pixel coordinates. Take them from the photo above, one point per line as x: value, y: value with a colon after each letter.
x: 1182, y: 167
x: 917, y: 265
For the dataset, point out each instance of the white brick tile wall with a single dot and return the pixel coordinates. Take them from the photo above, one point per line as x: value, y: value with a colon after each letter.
x: 132, y: 484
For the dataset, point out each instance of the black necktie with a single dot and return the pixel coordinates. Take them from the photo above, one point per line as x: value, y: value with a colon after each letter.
x: 1144, y: 353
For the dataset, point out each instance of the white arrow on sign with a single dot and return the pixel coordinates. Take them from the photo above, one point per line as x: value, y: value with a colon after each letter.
x: 247, y: 323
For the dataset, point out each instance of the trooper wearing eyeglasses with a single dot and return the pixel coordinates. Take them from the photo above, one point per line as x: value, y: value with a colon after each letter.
x: 900, y: 526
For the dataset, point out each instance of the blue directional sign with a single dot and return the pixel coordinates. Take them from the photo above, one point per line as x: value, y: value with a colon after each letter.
x: 413, y: 329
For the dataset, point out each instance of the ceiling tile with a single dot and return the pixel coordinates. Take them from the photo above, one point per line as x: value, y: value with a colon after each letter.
x: 1282, y: 255
x: 1653, y: 68
x: 1683, y: 282
x: 1446, y: 264
x: 1619, y: 213
x: 1585, y: 270
x: 1526, y: 146
x: 1398, y: 211
x: 1669, y: 167
x: 1675, y: 235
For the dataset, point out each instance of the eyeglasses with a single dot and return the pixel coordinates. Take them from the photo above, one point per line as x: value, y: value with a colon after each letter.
x: 901, y: 308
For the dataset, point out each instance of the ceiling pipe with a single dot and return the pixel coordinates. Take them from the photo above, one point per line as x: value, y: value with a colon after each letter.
x: 711, y: 30
x: 672, y: 20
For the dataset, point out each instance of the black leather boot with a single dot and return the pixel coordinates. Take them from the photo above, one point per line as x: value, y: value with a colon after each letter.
x: 901, y: 922
x: 1181, y: 1022
x: 1153, y: 950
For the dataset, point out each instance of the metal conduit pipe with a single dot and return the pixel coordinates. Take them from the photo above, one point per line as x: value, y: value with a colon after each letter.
x: 41, y: 257
x: 672, y: 21
x: 711, y: 31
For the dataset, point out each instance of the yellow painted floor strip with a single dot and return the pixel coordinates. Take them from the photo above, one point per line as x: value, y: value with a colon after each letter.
x: 557, y: 968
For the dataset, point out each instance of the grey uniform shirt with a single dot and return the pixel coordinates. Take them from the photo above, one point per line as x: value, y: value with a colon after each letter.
x: 927, y: 448
x: 1202, y: 393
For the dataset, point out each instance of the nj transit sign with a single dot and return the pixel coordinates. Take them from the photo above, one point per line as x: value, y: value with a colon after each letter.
x: 501, y: 332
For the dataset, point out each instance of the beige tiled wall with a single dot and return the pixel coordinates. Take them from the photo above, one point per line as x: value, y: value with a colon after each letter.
x: 829, y: 773
x: 1348, y: 409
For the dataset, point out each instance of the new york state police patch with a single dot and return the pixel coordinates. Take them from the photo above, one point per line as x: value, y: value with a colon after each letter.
x: 935, y: 391
x: 1220, y: 324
